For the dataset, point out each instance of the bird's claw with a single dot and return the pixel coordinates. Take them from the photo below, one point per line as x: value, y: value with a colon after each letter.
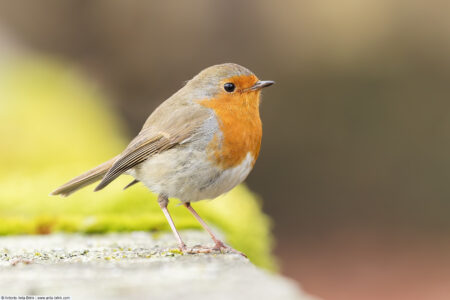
x: 227, y: 249
x: 218, y: 248
x: 183, y: 248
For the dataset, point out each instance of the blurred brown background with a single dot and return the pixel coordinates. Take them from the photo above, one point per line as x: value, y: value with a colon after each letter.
x: 355, y: 161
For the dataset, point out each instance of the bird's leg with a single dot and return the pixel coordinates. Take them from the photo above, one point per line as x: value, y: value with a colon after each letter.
x: 163, y: 201
x: 219, y: 245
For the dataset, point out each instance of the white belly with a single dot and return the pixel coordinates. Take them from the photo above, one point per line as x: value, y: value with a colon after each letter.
x: 188, y: 176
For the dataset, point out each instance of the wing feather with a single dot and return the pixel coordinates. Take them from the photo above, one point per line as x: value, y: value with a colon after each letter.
x: 150, y: 142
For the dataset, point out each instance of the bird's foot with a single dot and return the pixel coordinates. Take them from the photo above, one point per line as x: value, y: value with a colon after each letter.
x: 183, y: 248
x: 218, y: 248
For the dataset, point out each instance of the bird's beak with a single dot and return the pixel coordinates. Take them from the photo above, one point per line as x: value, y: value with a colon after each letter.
x: 260, y: 84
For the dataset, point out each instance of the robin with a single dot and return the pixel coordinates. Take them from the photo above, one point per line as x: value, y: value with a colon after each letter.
x: 198, y: 144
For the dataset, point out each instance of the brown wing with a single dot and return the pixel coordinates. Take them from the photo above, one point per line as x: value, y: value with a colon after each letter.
x: 150, y: 142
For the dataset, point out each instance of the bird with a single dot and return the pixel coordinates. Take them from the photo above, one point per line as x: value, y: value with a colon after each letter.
x: 198, y: 144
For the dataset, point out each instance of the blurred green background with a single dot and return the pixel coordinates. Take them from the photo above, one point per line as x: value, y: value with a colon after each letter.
x: 355, y: 163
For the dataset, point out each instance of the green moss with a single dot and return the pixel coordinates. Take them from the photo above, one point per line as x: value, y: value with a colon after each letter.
x: 59, y: 125
x: 176, y: 251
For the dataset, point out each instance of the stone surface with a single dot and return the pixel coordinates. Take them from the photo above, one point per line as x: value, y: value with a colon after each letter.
x: 131, y: 265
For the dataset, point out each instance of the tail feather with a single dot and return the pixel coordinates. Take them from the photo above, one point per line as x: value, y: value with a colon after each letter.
x: 84, y: 179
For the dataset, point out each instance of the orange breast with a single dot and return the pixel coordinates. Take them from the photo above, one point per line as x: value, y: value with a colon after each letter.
x: 240, y: 125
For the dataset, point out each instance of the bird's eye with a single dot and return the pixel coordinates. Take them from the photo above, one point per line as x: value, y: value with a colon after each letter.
x: 229, y: 87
